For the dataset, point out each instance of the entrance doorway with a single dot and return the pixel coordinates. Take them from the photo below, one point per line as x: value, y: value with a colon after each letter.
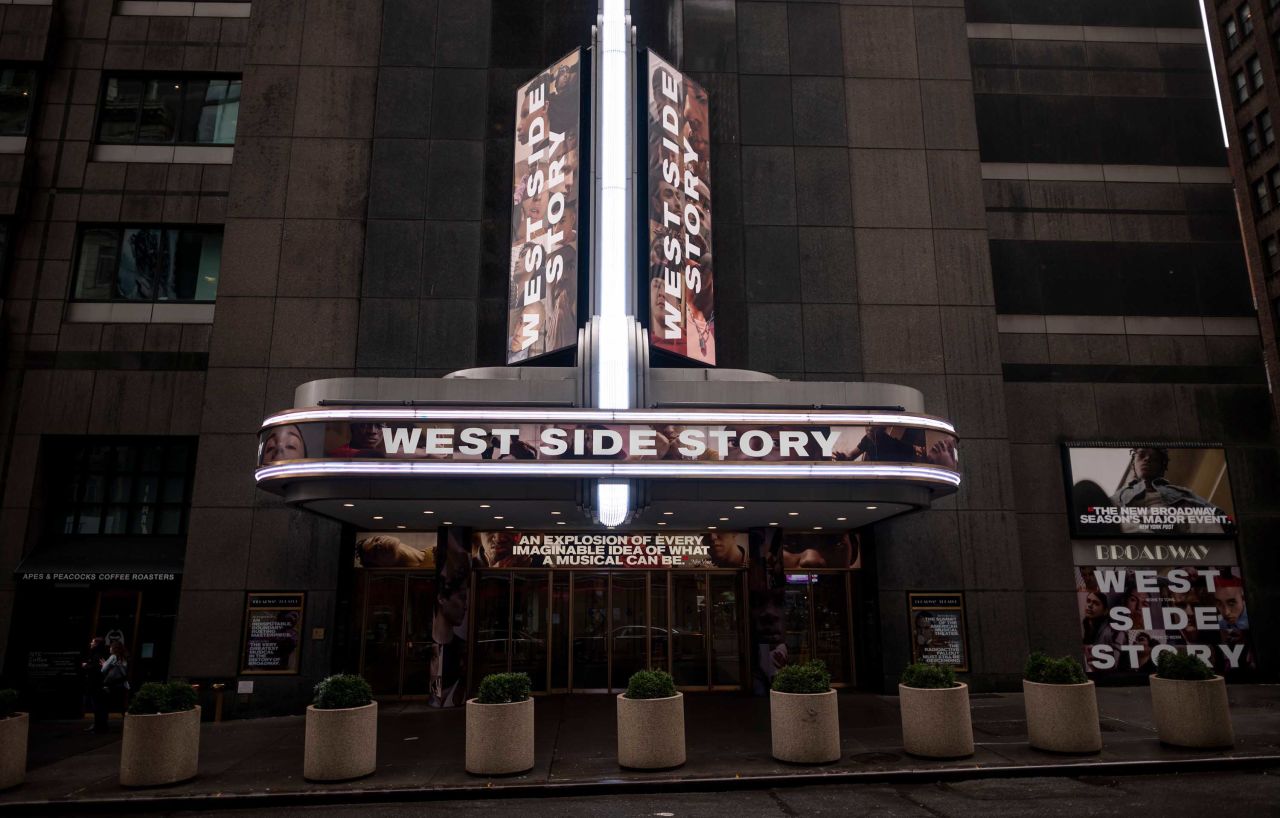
x: 396, y: 646
x: 819, y: 621
x: 590, y: 630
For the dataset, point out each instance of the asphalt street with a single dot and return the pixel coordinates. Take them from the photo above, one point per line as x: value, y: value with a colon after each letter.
x: 1240, y: 795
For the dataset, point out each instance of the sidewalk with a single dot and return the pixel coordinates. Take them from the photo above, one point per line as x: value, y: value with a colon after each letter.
x: 421, y: 752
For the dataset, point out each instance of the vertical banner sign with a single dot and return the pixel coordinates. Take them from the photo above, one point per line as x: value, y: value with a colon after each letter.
x: 272, y: 633
x: 682, y: 317
x: 542, y: 312
x: 937, y: 629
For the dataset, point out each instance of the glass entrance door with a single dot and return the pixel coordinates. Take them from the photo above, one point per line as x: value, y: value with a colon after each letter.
x: 818, y: 624
x: 397, y: 645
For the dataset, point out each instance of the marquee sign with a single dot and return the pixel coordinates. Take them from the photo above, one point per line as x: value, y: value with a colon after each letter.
x: 583, y: 443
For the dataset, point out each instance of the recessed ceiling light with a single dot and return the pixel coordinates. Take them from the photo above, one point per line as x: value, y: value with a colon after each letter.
x: 348, y: 505
x: 377, y: 518
x: 485, y: 505
x: 713, y: 528
x: 559, y: 522
x: 509, y: 527
x: 772, y: 523
x: 872, y: 508
x: 428, y: 512
x: 793, y: 514
x: 739, y: 508
x: 817, y: 528
x: 556, y: 513
x: 841, y: 519
x: 724, y: 519
x: 446, y: 522
x: 401, y: 526
x: 661, y: 522
x: 496, y: 517
x: 667, y: 513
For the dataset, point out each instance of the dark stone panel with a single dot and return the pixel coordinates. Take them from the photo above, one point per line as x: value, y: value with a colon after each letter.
x: 1163, y: 13
x: 408, y: 32
x: 462, y: 34
x: 817, y: 110
x: 768, y: 185
x: 398, y: 179
x: 392, y: 254
x: 772, y: 264
x: 722, y: 93
x: 517, y: 34
x: 822, y: 187
x: 726, y: 184
x: 832, y: 341
x: 498, y: 180
x: 459, y: 109
x: 762, y: 38
x: 568, y: 26
x: 827, y: 273
x: 404, y: 103
x: 453, y: 191
x: 774, y: 339
x: 388, y: 332
x: 446, y: 334
x: 764, y: 106
x: 814, y: 33
x: 730, y: 277
x: 1090, y: 373
x: 450, y: 259
x: 710, y: 35
x: 503, y: 86
x: 491, y: 332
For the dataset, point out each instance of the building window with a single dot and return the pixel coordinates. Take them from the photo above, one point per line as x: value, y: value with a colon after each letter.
x: 17, y: 100
x: 1241, y: 83
x: 1246, y: 20
x: 169, y: 110
x: 1271, y: 248
x: 1249, y: 136
x: 1231, y: 33
x: 1262, y: 197
x: 137, y: 487
x: 1255, y: 71
x: 1264, y: 125
x: 148, y: 263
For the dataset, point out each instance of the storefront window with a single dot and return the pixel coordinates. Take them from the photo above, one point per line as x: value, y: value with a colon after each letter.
x: 169, y: 110
x: 149, y: 264
x: 17, y: 98
x: 135, y: 488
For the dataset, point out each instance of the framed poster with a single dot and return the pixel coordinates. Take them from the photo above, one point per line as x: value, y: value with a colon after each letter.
x: 272, y: 633
x: 937, y: 629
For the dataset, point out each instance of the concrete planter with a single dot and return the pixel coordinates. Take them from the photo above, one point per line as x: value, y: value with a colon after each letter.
x: 499, y: 737
x: 1062, y: 718
x: 160, y: 748
x: 1192, y: 713
x: 805, y: 727
x: 651, y: 732
x: 13, y: 750
x: 936, y: 723
x: 341, y: 744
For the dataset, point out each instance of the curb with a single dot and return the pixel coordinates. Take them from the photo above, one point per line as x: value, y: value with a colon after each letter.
x: 326, y: 797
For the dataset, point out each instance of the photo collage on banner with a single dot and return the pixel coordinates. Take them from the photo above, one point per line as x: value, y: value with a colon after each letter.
x: 543, y: 283
x: 1155, y: 559
x: 442, y: 564
x: 682, y: 317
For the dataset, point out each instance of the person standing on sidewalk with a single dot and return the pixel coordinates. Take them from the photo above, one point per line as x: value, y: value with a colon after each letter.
x: 114, y: 686
x: 91, y: 673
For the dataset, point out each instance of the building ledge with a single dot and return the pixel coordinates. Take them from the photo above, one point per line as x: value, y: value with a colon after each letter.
x: 126, y: 313
x: 172, y: 8
x: 165, y: 154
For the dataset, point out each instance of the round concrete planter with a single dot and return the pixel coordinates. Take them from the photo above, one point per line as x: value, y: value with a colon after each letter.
x: 1192, y: 713
x: 651, y: 732
x: 805, y: 727
x: 499, y: 737
x: 1062, y: 718
x: 341, y: 744
x: 160, y: 748
x: 13, y: 750
x: 936, y: 722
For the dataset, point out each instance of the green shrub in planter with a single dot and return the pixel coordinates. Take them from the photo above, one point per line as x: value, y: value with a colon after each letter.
x: 1046, y: 670
x: 928, y: 677
x: 342, y: 692
x: 651, y: 684
x: 1183, y: 667
x: 806, y: 677
x: 504, y: 688
x: 8, y: 702
x: 163, y: 697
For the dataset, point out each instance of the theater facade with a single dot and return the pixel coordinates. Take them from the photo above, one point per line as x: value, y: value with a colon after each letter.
x: 428, y: 340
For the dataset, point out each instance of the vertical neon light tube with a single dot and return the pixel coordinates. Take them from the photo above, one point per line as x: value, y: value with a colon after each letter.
x: 1213, y: 68
x: 613, y: 358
